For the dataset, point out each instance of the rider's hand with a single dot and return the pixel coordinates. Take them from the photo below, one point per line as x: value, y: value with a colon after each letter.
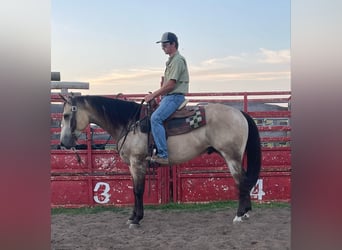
x: 148, y: 97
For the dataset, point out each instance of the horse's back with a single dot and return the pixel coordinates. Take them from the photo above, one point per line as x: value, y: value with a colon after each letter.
x: 219, y: 115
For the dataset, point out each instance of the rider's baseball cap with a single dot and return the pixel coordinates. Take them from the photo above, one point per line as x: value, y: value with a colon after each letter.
x: 168, y: 37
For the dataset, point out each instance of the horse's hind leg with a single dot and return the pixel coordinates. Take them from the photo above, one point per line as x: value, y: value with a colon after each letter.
x: 245, y: 204
x: 239, y: 175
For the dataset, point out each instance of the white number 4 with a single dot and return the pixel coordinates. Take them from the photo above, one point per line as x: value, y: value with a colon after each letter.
x: 104, y: 196
x: 257, y: 191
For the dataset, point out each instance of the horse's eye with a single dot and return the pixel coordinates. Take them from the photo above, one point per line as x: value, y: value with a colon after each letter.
x: 66, y: 116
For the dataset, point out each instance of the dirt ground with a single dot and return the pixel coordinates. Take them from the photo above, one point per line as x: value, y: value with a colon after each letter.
x: 267, y: 228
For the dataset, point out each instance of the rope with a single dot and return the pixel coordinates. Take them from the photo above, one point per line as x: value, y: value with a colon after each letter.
x: 128, y: 129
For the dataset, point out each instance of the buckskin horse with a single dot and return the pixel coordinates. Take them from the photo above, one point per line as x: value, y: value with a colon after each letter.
x: 227, y: 131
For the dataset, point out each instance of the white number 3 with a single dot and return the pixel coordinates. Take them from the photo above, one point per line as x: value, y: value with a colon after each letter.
x: 104, y: 196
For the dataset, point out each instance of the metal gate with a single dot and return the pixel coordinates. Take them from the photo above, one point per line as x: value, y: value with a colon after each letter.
x: 100, y: 177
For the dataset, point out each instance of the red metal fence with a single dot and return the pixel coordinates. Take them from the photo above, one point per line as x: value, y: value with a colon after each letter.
x: 102, y: 178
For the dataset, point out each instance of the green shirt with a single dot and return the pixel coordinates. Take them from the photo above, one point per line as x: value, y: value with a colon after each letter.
x: 176, y: 69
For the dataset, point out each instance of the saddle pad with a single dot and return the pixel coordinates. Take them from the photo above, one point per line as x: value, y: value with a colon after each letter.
x: 176, y: 126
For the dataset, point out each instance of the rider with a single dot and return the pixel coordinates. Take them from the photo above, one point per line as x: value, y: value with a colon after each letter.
x: 175, y: 84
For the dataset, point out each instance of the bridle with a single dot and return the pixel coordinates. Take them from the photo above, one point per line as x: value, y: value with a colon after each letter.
x: 73, y: 118
x: 73, y: 124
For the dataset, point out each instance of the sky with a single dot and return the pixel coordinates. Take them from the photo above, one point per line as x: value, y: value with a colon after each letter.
x: 229, y: 45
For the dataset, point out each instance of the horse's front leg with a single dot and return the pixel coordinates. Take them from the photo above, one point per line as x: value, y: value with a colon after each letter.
x: 138, y: 172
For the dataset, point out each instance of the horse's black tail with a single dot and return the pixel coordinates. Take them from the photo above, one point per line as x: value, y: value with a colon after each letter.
x: 253, y: 150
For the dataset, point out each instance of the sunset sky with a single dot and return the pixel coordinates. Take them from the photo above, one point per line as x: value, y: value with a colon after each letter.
x: 229, y: 45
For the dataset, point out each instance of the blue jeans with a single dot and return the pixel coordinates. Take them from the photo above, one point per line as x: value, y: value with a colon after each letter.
x: 167, y: 106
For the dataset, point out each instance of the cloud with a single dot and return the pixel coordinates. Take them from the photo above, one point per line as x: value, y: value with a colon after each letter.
x: 126, y: 75
x: 263, y: 56
x: 224, y: 61
x: 244, y: 76
x: 263, y: 66
x: 126, y: 81
x: 274, y: 56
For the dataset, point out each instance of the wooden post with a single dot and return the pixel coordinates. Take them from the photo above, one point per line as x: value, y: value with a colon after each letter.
x: 69, y: 85
x: 55, y: 76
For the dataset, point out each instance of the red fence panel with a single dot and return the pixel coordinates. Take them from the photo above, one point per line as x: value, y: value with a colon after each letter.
x: 70, y: 191
x: 116, y: 190
x: 98, y: 176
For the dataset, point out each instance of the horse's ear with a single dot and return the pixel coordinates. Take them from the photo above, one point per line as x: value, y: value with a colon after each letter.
x: 62, y: 96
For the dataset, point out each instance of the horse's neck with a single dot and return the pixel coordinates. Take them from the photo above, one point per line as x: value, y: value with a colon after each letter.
x: 105, y: 113
x: 113, y: 129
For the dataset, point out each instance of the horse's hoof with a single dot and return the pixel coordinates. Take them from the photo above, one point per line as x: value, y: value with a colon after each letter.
x: 134, y: 226
x: 129, y: 222
x: 242, y: 218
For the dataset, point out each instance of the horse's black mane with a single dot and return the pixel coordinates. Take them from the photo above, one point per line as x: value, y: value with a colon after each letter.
x: 115, y: 111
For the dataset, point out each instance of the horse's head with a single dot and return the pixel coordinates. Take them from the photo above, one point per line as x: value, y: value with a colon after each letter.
x: 74, y: 120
